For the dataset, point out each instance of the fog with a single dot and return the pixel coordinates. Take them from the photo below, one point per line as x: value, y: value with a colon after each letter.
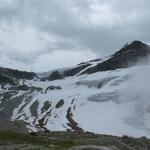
x: 137, y: 92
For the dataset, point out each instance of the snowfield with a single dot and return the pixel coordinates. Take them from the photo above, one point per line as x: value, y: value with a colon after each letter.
x: 110, y: 102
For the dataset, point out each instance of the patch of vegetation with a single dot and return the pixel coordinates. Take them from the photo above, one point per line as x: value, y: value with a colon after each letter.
x: 65, y: 140
x: 18, y: 138
x: 34, y: 139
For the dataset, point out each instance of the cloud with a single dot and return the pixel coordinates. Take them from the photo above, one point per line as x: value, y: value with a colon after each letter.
x: 32, y: 28
x: 138, y: 91
x: 61, y: 59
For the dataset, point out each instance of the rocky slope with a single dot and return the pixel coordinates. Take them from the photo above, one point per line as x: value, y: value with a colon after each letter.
x: 92, y: 96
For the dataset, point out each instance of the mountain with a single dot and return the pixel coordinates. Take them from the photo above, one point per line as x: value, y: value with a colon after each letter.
x: 129, y: 55
x: 96, y: 96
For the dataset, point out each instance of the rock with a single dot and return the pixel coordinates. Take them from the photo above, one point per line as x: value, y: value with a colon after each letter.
x: 60, y: 103
x: 23, y: 87
x: 74, y: 71
x: 17, y: 74
x: 13, y: 146
x: 46, y: 106
x: 34, y: 108
x: 52, y: 87
x: 92, y: 147
x: 72, y: 123
x: 128, y: 56
x: 55, y: 76
x: 6, y: 80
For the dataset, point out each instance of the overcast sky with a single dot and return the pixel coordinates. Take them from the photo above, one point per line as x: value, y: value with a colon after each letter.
x: 48, y: 34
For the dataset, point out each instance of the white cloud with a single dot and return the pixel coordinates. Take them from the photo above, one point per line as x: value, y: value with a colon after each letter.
x: 23, y: 47
x: 20, y: 39
x: 60, y: 59
x: 32, y: 28
x: 5, y: 3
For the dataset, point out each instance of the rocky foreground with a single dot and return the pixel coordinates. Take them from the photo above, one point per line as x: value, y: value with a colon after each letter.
x: 10, y: 140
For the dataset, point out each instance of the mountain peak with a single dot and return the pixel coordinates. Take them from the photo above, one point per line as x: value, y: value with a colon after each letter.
x: 134, y: 48
x: 127, y: 56
x: 135, y: 45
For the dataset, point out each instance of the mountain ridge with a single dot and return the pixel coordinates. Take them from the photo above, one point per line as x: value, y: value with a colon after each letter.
x: 136, y: 50
x: 79, y: 99
x: 128, y: 55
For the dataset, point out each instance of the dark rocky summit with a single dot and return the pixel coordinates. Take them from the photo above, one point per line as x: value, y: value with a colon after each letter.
x: 127, y: 56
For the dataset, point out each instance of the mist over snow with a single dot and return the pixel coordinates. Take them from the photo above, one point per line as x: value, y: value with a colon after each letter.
x: 114, y: 102
x: 137, y: 90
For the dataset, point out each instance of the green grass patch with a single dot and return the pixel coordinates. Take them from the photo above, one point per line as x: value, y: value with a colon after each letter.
x: 33, y: 138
